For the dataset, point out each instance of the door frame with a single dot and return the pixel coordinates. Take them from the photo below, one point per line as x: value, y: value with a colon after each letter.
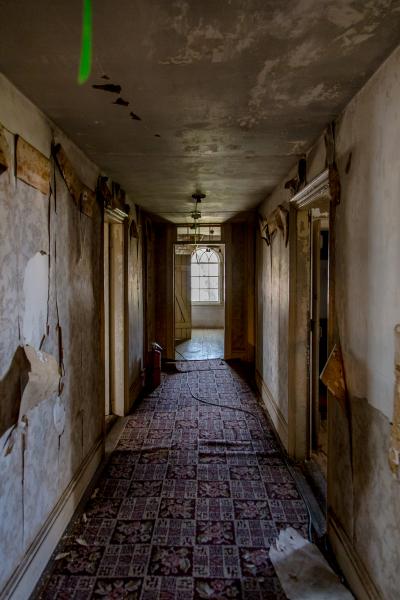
x: 315, y: 194
x: 221, y: 242
x: 118, y: 351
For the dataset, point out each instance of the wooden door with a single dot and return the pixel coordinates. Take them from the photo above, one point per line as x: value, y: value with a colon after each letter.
x: 183, y: 302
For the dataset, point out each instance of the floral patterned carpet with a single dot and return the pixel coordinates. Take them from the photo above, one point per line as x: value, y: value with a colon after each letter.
x: 188, y: 503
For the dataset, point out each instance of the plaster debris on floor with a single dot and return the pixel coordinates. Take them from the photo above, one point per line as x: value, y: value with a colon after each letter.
x: 303, y: 571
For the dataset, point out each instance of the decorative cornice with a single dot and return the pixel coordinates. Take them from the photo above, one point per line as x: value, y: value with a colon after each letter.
x: 317, y: 189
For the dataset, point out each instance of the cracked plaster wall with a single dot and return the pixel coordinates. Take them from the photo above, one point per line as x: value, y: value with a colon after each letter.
x: 364, y: 498
x: 272, y: 309
x: 135, y: 302
x: 47, y: 252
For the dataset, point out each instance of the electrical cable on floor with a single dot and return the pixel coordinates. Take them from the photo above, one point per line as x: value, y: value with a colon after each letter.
x: 289, y: 468
x: 177, y: 352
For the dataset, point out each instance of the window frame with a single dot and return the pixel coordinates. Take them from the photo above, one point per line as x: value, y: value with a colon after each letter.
x: 220, y: 276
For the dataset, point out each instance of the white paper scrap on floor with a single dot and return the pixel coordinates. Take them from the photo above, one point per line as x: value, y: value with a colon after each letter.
x: 303, y: 571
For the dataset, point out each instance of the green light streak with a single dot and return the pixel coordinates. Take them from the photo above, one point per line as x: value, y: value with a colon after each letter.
x: 85, y: 64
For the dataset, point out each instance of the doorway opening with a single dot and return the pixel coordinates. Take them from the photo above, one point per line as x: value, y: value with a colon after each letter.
x: 199, y: 301
x: 319, y: 288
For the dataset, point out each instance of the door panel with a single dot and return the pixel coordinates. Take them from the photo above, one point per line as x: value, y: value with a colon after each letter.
x: 183, y: 303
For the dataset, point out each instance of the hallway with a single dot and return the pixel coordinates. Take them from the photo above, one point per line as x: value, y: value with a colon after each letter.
x: 189, y: 501
x: 168, y: 168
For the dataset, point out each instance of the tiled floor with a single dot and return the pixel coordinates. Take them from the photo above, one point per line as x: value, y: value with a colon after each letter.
x: 189, y: 501
x: 205, y: 344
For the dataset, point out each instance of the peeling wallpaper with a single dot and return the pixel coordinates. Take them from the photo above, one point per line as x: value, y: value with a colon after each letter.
x: 363, y: 496
x: 50, y: 281
x: 35, y: 290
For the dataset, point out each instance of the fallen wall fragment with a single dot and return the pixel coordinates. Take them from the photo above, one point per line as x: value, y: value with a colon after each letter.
x: 303, y: 571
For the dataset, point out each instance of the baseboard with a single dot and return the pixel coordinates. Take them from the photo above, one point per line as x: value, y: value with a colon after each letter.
x: 273, y: 409
x: 135, y: 391
x: 353, y: 569
x: 24, y: 579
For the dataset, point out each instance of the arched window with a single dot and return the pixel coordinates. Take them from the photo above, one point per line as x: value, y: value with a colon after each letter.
x: 206, y: 275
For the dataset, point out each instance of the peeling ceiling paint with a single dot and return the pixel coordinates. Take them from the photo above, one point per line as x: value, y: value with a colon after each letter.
x: 224, y: 97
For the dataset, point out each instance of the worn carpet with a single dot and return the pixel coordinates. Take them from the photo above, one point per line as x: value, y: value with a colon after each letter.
x: 189, y: 501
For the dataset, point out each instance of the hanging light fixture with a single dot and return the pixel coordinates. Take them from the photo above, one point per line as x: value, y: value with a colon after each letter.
x: 196, y: 214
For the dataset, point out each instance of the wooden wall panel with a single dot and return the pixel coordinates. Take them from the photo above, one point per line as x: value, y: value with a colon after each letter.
x: 239, y: 237
x: 32, y: 166
x: 164, y: 238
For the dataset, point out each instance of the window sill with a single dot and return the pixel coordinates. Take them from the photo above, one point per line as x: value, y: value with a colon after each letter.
x: 194, y: 303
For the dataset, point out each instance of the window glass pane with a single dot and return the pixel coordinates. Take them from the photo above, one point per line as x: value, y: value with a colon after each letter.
x: 204, y: 283
x: 205, y: 272
x: 203, y: 269
x: 202, y: 256
x: 214, y: 295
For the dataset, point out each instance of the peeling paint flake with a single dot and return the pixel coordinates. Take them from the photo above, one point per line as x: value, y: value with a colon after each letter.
x: 333, y: 375
x: 36, y: 288
x: 108, y: 87
x: 32, y: 378
x: 121, y: 102
x: 42, y: 379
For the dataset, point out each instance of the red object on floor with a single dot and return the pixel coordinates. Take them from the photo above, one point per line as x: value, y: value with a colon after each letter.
x: 155, y: 368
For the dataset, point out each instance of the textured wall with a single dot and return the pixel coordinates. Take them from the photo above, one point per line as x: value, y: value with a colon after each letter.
x: 273, y: 309
x: 135, y: 303
x: 368, y: 308
x: 363, y: 497
x: 42, y: 237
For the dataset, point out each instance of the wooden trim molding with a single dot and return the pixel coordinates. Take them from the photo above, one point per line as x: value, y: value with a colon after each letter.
x: 24, y: 579
x: 277, y: 417
x: 114, y: 215
x: 4, y: 151
x: 317, y: 189
x: 32, y: 167
x: 350, y: 563
x: 315, y: 195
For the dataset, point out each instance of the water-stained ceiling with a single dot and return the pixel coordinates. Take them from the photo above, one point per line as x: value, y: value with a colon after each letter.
x: 222, y: 96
